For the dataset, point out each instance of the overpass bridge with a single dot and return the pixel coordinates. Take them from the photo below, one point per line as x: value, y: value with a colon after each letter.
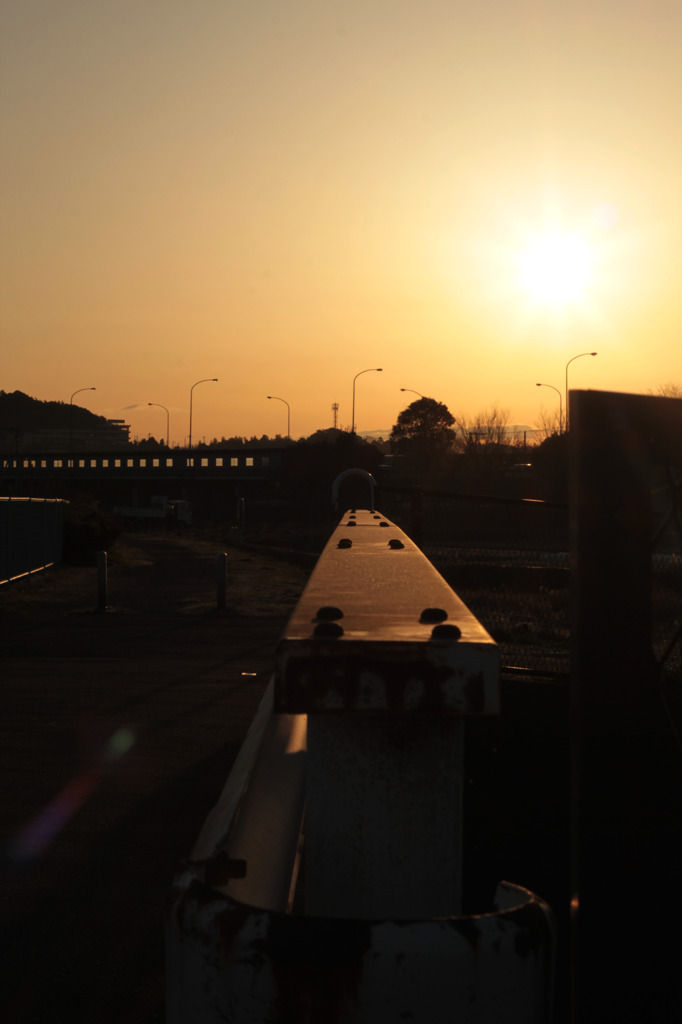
x: 166, y: 464
x: 132, y: 476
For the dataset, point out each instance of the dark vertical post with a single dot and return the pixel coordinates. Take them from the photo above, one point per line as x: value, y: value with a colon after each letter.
x: 241, y: 520
x: 613, y: 709
x: 222, y: 581
x: 101, y: 581
x: 417, y: 516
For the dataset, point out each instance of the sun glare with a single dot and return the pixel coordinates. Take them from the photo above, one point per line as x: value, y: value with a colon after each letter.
x: 555, y: 269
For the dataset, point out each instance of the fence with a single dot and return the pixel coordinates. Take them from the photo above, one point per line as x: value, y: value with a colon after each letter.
x: 31, y: 535
x: 508, y: 559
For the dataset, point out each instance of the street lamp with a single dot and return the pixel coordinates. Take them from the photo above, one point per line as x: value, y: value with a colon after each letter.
x: 412, y: 391
x: 288, y: 414
x: 167, y: 421
x: 580, y: 354
x: 202, y: 381
x: 71, y: 413
x: 561, y: 418
x: 372, y: 369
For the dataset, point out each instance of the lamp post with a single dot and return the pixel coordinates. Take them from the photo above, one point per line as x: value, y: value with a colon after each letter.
x: 412, y: 391
x: 288, y: 414
x: 77, y: 392
x: 167, y: 421
x: 372, y: 369
x: 191, y: 390
x: 561, y: 418
x: 580, y: 354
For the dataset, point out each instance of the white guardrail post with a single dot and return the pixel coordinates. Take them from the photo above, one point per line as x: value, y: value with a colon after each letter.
x: 326, y: 884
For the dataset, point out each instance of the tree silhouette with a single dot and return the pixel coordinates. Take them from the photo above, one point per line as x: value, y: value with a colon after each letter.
x: 424, y: 430
x: 668, y: 390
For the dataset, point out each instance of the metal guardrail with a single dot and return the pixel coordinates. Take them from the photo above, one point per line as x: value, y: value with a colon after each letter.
x: 326, y: 884
x: 31, y: 535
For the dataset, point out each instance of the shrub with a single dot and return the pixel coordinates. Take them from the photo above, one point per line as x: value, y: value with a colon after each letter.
x: 87, y: 530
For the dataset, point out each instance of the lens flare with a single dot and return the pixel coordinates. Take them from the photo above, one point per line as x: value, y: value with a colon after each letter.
x: 48, y: 823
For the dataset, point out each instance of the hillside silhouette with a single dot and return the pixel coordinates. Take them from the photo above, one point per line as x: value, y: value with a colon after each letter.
x: 21, y: 412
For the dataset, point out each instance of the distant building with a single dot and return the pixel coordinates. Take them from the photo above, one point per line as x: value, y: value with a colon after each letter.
x: 105, y: 436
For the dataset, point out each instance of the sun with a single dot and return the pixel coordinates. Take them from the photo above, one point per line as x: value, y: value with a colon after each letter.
x: 555, y: 269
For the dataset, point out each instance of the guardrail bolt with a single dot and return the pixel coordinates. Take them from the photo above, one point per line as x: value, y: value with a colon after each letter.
x: 345, y: 542
x: 395, y: 544
x: 329, y: 612
x: 329, y: 630
x: 433, y: 615
x: 446, y: 631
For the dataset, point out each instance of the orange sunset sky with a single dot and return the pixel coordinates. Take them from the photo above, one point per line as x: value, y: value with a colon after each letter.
x: 283, y: 193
